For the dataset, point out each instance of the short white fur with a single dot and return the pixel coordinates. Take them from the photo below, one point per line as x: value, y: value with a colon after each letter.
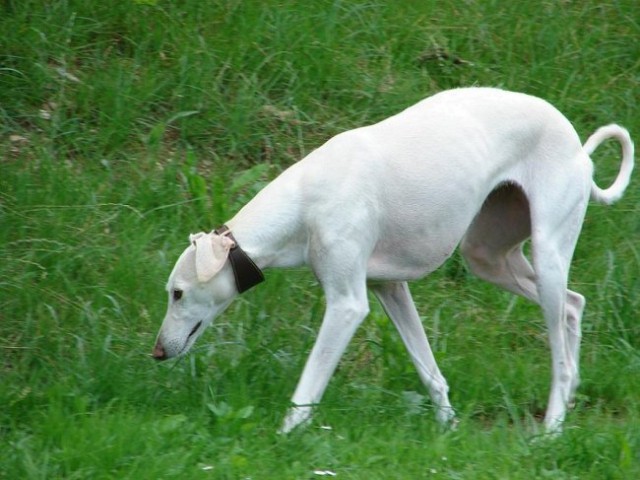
x: 479, y: 168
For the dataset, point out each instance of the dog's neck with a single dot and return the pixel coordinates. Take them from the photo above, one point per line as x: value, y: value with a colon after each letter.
x: 269, y: 227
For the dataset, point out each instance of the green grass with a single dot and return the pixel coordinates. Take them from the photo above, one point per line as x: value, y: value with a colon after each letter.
x: 126, y: 125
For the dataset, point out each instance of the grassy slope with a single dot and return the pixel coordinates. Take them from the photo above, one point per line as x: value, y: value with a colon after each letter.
x: 126, y: 125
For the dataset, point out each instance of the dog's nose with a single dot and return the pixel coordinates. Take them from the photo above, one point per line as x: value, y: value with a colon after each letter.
x: 158, y: 351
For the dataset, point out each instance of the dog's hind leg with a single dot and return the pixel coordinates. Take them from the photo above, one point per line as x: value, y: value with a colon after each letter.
x: 396, y: 299
x: 492, y: 245
x: 493, y: 248
x: 553, y: 242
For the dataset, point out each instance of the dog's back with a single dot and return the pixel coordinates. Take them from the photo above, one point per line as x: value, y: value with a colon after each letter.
x: 413, y: 182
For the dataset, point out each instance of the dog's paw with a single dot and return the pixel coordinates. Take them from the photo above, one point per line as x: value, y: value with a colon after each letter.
x: 296, y: 417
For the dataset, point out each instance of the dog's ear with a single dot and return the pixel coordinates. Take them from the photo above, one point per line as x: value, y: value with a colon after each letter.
x: 212, y: 252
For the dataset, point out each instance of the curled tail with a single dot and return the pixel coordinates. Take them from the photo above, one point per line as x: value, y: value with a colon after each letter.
x: 616, y: 190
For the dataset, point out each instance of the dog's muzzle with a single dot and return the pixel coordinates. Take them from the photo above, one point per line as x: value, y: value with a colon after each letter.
x: 158, y: 352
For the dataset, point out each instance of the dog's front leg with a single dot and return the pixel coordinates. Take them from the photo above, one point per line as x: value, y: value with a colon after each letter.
x: 397, y: 302
x: 343, y: 315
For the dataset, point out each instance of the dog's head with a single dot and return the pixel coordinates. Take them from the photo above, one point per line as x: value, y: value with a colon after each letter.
x: 200, y: 287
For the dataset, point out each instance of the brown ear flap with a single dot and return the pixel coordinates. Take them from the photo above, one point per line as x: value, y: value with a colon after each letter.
x: 212, y: 252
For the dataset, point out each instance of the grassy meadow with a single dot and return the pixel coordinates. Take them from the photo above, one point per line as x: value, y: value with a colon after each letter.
x: 126, y: 125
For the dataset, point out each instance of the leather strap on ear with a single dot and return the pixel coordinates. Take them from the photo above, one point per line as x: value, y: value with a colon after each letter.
x: 247, y: 274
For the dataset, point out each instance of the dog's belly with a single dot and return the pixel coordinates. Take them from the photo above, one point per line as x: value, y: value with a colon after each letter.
x: 422, y: 220
x: 411, y: 254
x: 397, y: 268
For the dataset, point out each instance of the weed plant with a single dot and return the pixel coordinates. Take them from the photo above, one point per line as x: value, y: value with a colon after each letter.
x: 126, y: 125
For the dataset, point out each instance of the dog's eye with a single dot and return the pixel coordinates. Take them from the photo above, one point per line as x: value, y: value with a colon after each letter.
x: 177, y: 295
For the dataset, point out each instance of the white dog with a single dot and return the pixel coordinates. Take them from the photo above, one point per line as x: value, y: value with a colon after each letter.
x: 384, y: 204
